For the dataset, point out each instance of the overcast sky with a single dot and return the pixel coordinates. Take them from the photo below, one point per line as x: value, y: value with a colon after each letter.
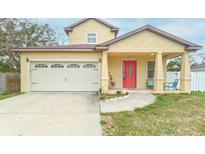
x: 190, y: 29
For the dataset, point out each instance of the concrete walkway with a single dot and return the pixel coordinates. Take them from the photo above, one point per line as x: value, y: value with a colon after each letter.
x: 128, y: 103
x: 50, y: 114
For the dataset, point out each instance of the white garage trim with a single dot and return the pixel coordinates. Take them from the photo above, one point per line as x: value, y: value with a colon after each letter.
x: 72, y: 86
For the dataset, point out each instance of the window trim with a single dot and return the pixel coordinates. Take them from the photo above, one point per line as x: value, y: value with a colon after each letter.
x: 89, y: 64
x: 78, y: 66
x: 40, y: 64
x: 95, y: 37
x: 56, y: 64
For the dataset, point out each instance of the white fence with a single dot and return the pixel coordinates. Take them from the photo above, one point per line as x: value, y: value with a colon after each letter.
x: 197, y: 80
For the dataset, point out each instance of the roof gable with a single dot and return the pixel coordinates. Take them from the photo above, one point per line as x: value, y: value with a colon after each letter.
x: 187, y: 44
x: 112, y: 28
x: 145, y: 41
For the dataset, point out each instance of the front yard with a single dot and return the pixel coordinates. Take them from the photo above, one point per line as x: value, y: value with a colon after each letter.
x: 171, y: 114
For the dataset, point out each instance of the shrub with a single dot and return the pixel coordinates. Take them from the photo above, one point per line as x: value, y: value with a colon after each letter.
x: 119, y: 92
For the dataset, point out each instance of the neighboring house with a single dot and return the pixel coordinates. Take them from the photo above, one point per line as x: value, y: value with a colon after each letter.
x: 199, y: 68
x: 97, y: 59
x: 198, y: 78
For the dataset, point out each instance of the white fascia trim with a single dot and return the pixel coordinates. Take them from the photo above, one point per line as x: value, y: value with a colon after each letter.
x: 64, y: 59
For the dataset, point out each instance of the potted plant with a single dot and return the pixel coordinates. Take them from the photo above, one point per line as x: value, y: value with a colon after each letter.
x: 112, y: 83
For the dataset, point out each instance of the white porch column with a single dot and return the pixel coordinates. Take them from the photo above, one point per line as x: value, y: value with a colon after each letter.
x: 105, y: 76
x: 185, y: 81
x: 159, y: 74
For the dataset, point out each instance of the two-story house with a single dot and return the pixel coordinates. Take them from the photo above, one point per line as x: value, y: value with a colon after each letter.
x: 96, y: 58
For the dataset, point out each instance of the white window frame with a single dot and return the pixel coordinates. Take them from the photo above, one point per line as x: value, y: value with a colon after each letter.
x: 93, y: 66
x: 56, y: 65
x: 71, y: 66
x: 95, y: 37
x: 39, y: 65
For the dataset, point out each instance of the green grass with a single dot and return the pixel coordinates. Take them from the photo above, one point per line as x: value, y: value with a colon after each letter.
x: 5, y: 95
x: 171, y: 114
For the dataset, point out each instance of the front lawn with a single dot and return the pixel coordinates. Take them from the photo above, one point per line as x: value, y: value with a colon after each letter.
x: 171, y: 114
x: 5, y: 95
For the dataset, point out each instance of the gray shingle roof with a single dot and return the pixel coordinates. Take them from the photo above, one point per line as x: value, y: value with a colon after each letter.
x: 200, y: 66
x: 74, y: 47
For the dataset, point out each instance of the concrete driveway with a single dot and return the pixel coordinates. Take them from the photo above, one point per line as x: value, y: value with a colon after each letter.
x: 50, y: 114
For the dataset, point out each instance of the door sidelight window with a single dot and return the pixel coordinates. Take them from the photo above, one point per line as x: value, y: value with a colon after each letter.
x: 131, y: 71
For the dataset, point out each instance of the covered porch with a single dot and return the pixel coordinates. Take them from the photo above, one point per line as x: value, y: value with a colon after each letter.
x: 141, y: 72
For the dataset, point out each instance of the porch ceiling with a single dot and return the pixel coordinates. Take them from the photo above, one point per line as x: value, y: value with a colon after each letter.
x: 172, y: 55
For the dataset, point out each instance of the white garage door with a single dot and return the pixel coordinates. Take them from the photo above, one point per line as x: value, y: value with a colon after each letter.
x: 64, y: 76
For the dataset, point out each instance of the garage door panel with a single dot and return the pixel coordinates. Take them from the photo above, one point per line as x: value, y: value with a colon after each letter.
x: 81, y: 76
x: 83, y: 79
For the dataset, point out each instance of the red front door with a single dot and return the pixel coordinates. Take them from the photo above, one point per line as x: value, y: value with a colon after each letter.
x: 129, y: 74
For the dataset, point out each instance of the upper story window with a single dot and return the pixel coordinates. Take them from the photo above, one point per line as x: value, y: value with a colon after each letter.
x: 91, y: 38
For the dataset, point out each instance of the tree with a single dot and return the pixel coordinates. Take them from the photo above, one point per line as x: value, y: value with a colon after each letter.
x: 202, y: 56
x: 9, y: 61
x: 21, y: 33
x: 33, y: 35
x: 175, y: 64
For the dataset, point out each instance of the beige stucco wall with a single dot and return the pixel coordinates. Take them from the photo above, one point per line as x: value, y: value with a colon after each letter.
x: 146, y: 41
x: 79, y: 33
x: 137, y: 47
x: 49, y: 55
x: 115, y: 68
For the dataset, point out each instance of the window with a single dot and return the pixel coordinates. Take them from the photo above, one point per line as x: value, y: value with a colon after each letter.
x: 89, y: 66
x: 91, y: 38
x: 130, y: 71
x: 57, y: 66
x: 150, y: 69
x: 41, y: 66
x: 73, y: 66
